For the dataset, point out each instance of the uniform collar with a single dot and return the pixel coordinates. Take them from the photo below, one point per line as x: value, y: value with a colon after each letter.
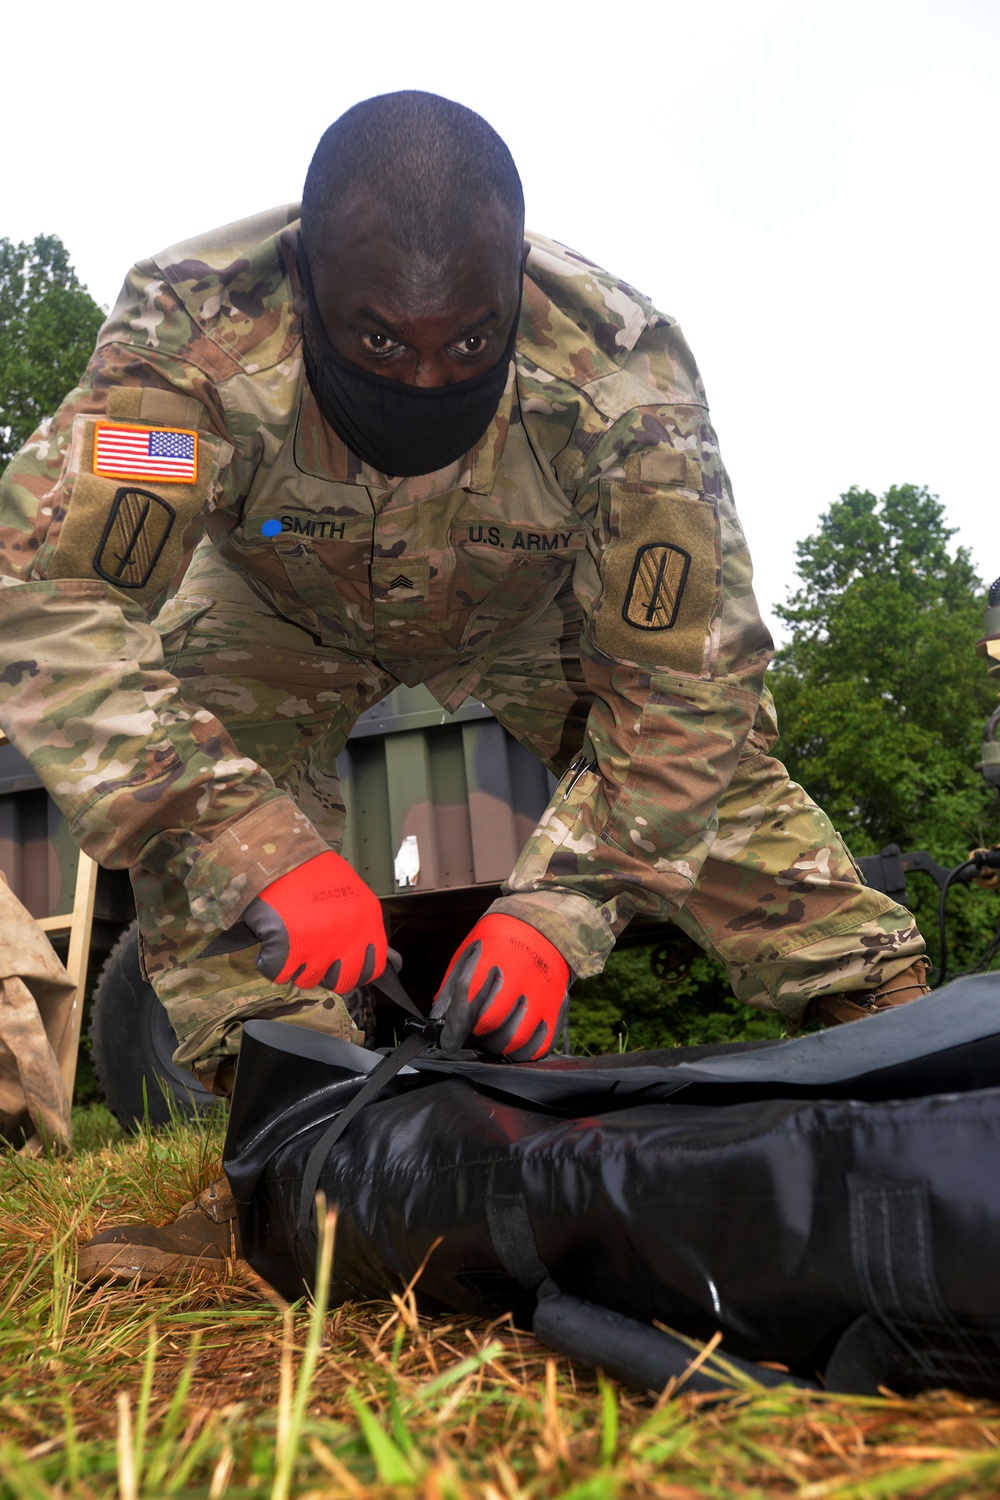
x: 321, y: 453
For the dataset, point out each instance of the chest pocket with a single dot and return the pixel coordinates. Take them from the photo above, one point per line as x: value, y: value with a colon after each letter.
x: 312, y: 564
x: 506, y: 575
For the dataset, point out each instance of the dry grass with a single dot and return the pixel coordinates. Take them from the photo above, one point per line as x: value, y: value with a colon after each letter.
x: 213, y: 1390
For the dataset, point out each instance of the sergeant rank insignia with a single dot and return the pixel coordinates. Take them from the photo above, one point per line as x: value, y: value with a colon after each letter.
x: 656, y: 586
x: 169, y: 454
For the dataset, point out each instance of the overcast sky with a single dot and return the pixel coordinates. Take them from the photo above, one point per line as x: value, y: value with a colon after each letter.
x: 810, y: 188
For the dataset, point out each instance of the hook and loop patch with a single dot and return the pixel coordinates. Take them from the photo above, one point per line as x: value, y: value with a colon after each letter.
x: 662, y: 577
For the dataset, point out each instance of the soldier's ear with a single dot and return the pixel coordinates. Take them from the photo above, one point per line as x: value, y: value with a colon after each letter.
x: 289, y: 239
x: 525, y: 252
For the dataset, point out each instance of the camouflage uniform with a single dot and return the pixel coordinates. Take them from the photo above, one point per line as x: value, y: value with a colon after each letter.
x: 582, y: 571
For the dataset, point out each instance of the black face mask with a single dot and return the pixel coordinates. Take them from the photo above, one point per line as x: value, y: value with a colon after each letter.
x: 395, y: 427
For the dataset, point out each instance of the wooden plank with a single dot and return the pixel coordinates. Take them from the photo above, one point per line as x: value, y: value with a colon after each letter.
x: 56, y: 924
x: 80, y: 924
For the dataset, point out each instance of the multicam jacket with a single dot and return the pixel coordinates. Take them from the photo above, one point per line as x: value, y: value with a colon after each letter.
x: 599, y: 477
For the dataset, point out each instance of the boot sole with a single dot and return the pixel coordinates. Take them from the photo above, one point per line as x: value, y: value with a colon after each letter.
x: 144, y: 1264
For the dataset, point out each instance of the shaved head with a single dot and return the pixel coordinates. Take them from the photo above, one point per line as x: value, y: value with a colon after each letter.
x: 432, y: 166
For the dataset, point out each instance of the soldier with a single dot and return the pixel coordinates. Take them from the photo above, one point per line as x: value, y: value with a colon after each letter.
x: 418, y: 448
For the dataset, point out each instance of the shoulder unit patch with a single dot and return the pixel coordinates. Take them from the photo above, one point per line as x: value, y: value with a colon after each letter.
x: 133, y: 538
x: 654, y: 592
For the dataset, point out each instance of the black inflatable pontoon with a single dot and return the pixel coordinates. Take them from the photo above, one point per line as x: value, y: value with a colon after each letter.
x: 830, y: 1203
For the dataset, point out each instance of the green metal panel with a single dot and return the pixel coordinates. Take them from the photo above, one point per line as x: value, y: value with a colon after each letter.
x: 458, y: 784
x: 369, y: 846
x: 411, y: 801
x: 450, y: 806
x: 490, y: 799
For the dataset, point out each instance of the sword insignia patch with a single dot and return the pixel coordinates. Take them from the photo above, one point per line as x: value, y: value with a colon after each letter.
x: 654, y: 593
x: 133, y: 538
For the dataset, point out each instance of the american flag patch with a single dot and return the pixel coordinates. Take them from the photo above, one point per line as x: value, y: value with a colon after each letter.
x: 167, y: 453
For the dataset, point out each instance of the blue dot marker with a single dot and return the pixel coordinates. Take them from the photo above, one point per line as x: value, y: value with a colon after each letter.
x: 270, y: 528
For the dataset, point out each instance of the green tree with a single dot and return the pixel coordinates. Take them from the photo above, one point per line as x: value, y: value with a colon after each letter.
x: 881, y: 698
x: 48, y: 323
x: 628, y: 1008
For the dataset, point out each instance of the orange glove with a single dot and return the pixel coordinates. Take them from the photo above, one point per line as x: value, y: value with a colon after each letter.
x: 319, y: 925
x: 507, y: 985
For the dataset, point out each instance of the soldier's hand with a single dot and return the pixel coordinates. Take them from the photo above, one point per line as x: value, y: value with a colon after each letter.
x: 508, y: 986
x: 319, y: 925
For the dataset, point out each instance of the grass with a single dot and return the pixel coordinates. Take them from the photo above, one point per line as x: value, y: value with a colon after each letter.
x: 214, y: 1389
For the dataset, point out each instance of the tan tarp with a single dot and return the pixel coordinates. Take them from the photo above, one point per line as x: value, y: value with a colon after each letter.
x: 36, y: 1001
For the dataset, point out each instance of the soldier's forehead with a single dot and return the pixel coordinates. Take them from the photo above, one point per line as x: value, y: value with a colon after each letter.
x: 374, y: 267
x: 363, y: 230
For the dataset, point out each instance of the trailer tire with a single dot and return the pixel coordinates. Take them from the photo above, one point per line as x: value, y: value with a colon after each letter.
x: 132, y: 1042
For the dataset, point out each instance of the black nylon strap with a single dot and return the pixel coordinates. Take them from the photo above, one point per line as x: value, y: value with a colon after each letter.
x: 390, y: 985
x: 375, y: 1082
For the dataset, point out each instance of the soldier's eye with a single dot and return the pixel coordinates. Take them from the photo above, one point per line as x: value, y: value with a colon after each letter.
x: 377, y: 343
x: 474, y: 343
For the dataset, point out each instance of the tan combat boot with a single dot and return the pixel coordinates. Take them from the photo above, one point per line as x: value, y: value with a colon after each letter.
x: 836, y: 1010
x: 203, y: 1238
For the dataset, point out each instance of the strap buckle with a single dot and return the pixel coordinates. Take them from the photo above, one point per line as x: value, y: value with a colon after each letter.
x: 429, y: 1030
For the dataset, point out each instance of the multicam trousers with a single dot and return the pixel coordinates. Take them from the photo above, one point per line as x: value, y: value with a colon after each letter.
x: 289, y: 703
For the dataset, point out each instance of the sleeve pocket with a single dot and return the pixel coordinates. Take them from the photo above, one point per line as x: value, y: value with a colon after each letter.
x: 661, y: 573
x: 130, y: 532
